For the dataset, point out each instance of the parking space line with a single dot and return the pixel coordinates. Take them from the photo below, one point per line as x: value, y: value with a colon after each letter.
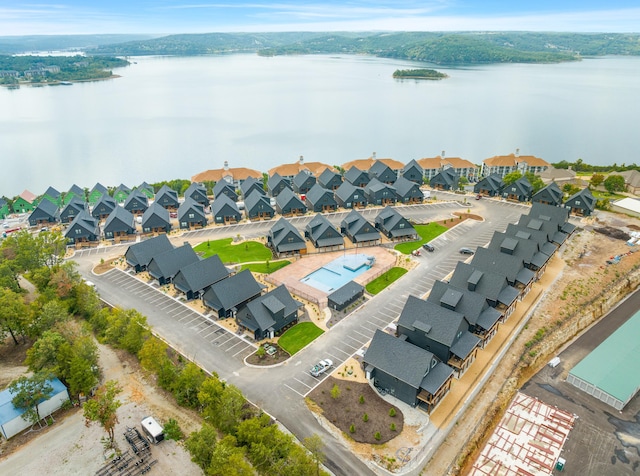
x: 363, y: 335
x: 300, y: 381
x: 294, y: 390
x: 242, y: 350
x: 340, y: 350
x: 239, y: 342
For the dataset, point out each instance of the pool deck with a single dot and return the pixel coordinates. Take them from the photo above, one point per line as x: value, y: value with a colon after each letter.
x: 291, y: 275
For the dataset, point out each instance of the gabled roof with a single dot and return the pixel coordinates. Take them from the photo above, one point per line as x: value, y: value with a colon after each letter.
x: 291, y: 170
x: 120, y: 220
x: 9, y: 412
x: 165, y: 190
x: 520, y: 187
x: 390, y: 220
x: 346, y: 190
x: 491, y: 182
x: 84, y: 221
x: 524, y: 248
x: 375, y: 186
x: 197, y: 192
x: 98, y: 187
x: 551, y: 173
x: 438, y: 162
x: 158, y: 211
x: 287, y: 200
x: 276, y: 180
x: 558, y: 215
x: 136, y: 195
x: 323, y: 233
x: 512, y: 160
x: 222, y: 201
x: 546, y: 226
x: 631, y: 177
x: 200, y: 274
x: 122, y: 188
x: 303, y: 177
x: 492, y: 285
x: 446, y: 176
x: 378, y: 168
x: 413, y: 163
x: 365, y: 164
x: 190, y: 205
x: 77, y: 191
x: 472, y: 305
x: 105, y: 202
x: 249, y: 185
x: 359, y: 228
x: 256, y: 198
x: 141, y: 253
x: 326, y: 177
x: 355, y: 175
x: 550, y: 193
x: 235, y: 174
x: 232, y: 291
x: 52, y: 192
x: 318, y: 192
x: 28, y: 196
x: 398, y: 358
x: 286, y: 237
x: 437, y: 323
x: 263, y: 311
x: 587, y: 200
x: 345, y: 293
x: 223, y: 186
x: 405, y: 187
x: 46, y: 208
x: 167, y: 264
x: 500, y: 263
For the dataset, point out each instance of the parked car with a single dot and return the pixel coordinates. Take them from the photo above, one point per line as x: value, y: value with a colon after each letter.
x: 478, y: 197
x: 321, y: 367
x: 428, y: 247
x: 466, y: 251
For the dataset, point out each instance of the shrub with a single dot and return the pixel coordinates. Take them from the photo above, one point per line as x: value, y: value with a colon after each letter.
x: 365, y: 417
x: 361, y: 399
x: 172, y: 431
x: 352, y: 429
x: 392, y: 412
x: 377, y: 436
x: 335, y: 392
x: 392, y: 427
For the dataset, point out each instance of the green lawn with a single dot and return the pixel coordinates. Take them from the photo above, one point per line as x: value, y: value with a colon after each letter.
x: 599, y: 195
x: 263, y: 268
x: 299, y: 336
x: 230, y: 253
x: 426, y: 232
x: 382, y: 281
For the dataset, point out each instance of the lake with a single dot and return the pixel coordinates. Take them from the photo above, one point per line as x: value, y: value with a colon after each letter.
x: 172, y: 117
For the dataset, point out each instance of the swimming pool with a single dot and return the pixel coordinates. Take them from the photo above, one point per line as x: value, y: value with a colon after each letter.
x: 338, y: 272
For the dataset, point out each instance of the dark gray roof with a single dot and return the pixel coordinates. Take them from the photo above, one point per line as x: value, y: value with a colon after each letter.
x: 286, y: 237
x: 156, y: 213
x: 522, y: 231
x: 405, y: 187
x: 391, y: 220
x: 520, y: 187
x: 375, y: 186
x: 52, y: 192
x: 359, y: 228
x: 122, y: 188
x: 142, y: 253
x: 198, y: 193
x: 262, y: 312
x: 303, y: 177
x: 200, y: 274
x: 446, y: 176
x: 232, y: 291
x: 379, y: 168
x: 438, y: 323
x: 327, y: 176
x: 277, y: 180
x: 471, y: 305
x: 463, y: 347
x: 136, y: 196
x: 500, y: 263
x: 436, y: 378
x: 191, y: 205
x: 287, y: 200
x: 413, y: 163
x: 85, y: 222
x: 323, y: 233
x: 550, y: 193
x: 45, y: 209
x: 318, y: 192
x: 587, y: 200
x: 224, y: 205
x: 346, y: 190
x: 167, y: 264
x: 526, y: 249
x: 250, y: 184
x: 355, y: 175
x: 491, y: 182
x: 257, y: 199
x: 98, y: 187
x: 492, y: 285
x: 167, y: 195
x: 120, y: 220
x: 345, y: 293
x: 104, y: 205
x: 558, y: 215
x: 223, y: 187
x: 398, y: 358
x: 77, y: 191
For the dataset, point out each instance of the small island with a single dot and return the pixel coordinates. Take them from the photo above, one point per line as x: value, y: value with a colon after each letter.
x: 419, y: 74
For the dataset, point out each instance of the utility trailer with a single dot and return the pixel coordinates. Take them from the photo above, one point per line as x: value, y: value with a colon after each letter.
x: 152, y: 430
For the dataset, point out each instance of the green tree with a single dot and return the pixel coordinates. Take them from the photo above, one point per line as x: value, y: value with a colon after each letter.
x: 201, y: 444
x: 227, y: 459
x: 153, y: 354
x: 29, y: 391
x: 43, y: 355
x: 512, y: 177
x: 232, y: 409
x: 335, y: 391
x: 188, y: 385
x: 536, y: 182
x: 462, y: 182
x: 14, y: 315
x: 315, y: 446
x: 210, y: 396
x: 82, y: 377
x: 596, y: 180
x: 570, y: 189
x: 103, y: 408
x: 136, y: 334
x: 172, y: 430
x: 51, y: 313
x: 614, y: 183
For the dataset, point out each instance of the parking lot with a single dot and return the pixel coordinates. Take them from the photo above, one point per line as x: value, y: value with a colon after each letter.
x: 167, y: 307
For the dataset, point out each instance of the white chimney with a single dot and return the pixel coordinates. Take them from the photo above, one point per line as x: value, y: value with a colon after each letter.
x: 373, y: 156
x: 301, y: 160
x: 442, y: 155
x: 226, y: 165
x: 517, y: 152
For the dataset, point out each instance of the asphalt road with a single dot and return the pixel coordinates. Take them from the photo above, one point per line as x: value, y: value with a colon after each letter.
x: 603, y: 440
x: 280, y: 390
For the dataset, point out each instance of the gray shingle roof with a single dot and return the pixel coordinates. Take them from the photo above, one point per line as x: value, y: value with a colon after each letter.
x: 287, y: 201
x: 232, y: 291
x: 285, y: 237
x: 492, y: 285
x: 436, y: 378
x: 84, y: 221
x: 438, y: 323
x: 471, y: 304
x: 251, y: 184
x: 190, y: 205
x: 463, y: 347
x: 357, y: 227
x: 587, y: 200
x: 327, y: 177
x: 302, y: 179
x: 500, y: 263
x: 255, y: 200
x: 345, y: 293
x: 200, y: 274
x: 136, y: 199
x: 356, y: 176
x: 318, y: 193
x: 223, y: 205
x: 120, y: 220
x: 550, y: 193
x: 156, y: 215
x: 558, y: 215
x: 323, y: 233
x: 45, y: 210
x: 491, y: 182
x: 141, y: 253
x: 394, y: 223
x: 400, y: 359
x: 262, y: 312
x: 223, y: 187
x: 166, y: 265
x: 405, y: 187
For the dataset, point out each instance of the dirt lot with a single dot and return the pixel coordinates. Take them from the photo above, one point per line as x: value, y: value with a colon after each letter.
x: 69, y: 447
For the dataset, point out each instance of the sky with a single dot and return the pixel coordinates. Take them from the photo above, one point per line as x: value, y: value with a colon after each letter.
x: 19, y: 17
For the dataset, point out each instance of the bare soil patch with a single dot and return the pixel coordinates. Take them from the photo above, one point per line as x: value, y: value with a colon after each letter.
x: 267, y: 360
x: 346, y: 410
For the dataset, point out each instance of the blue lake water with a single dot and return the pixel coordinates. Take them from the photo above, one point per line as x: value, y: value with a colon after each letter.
x: 172, y: 117
x: 338, y: 272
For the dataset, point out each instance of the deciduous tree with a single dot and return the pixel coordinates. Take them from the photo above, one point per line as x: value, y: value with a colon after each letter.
x: 29, y: 391
x: 14, y: 315
x: 103, y: 408
x: 596, y: 180
x: 614, y: 183
x: 512, y: 177
x: 315, y: 446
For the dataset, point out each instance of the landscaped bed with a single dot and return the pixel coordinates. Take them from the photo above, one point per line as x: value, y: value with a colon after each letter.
x: 266, y: 359
x: 266, y: 267
x: 347, y: 411
x: 244, y: 252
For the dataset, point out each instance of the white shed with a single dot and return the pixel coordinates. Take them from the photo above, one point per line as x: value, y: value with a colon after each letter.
x: 11, y: 420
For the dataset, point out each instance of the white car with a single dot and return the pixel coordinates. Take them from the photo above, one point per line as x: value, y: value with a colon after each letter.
x: 321, y: 367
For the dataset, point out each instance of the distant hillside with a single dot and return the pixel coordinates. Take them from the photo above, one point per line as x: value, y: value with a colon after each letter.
x: 10, y: 45
x: 438, y: 48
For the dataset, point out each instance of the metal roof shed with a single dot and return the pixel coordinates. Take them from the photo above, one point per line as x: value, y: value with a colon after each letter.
x: 347, y: 294
x: 610, y: 372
